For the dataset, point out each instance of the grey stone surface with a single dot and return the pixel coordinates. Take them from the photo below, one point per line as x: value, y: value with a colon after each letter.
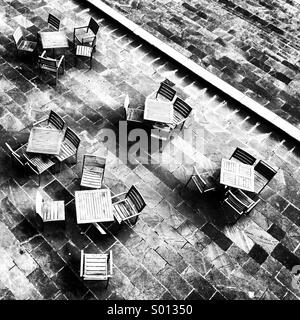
x: 181, y: 246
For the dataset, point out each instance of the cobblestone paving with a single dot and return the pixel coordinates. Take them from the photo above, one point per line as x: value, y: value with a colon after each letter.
x: 253, y: 45
x: 182, y: 246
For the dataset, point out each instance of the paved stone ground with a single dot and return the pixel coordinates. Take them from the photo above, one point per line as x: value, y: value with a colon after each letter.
x: 181, y: 247
x: 253, y: 45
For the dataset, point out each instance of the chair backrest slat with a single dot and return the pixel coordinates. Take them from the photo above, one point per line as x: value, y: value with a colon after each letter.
x: 53, y: 21
x: 265, y: 170
x: 48, y: 62
x: 166, y: 91
x: 18, y: 35
x: 71, y: 136
x: 56, y: 120
x: 93, y: 26
x: 182, y: 107
x: 243, y: 156
x: 136, y: 198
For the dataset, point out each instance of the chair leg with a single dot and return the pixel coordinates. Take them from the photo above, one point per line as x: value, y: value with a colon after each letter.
x: 182, y: 125
x: 136, y: 219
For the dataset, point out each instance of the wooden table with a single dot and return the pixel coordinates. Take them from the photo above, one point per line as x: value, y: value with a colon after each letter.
x: 158, y: 111
x: 44, y: 141
x: 93, y: 206
x: 236, y: 174
x: 54, y: 40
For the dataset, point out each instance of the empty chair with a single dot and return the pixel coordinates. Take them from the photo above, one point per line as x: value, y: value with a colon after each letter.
x: 263, y: 173
x: 239, y: 202
x: 69, y: 146
x: 181, y: 112
x: 204, y: 182
x: 166, y: 92
x: 38, y: 164
x: 51, y: 65
x: 132, y: 114
x: 53, y: 121
x: 23, y: 45
x: 49, y: 210
x: 16, y: 156
x: 96, y: 266
x: 162, y: 133
x: 84, y: 52
x: 86, y: 35
x: 93, y: 169
x: 129, y: 207
x: 242, y: 156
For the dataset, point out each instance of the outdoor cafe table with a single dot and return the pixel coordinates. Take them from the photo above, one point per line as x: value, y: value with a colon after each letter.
x: 44, y: 141
x: 93, y: 206
x: 158, y: 111
x: 236, y: 174
x: 54, y: 40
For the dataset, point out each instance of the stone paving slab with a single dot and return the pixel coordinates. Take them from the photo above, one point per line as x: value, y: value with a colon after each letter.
x: 181, y: 247
x: 252, y: 46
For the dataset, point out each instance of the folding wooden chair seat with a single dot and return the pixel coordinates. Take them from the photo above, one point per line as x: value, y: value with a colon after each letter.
x: 93, y: 169
x: 96, y: 266
x: 49, y: 210
x: 129, y: 207
x: 133, y: 114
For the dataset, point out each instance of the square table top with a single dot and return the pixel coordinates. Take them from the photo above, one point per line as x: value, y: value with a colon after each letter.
x: 93, y: 206
x: 44, y: 141
x: 158, y: 111
x: 236, y: 174
x: 54, y: 39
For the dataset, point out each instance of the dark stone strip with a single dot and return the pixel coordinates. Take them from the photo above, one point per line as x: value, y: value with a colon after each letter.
x: 284, y: 256
x: 217, y: 236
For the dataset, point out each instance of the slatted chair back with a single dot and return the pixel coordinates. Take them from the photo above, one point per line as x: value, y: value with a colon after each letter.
x: 96, y: 266
x: 48, y: 63
x: 182, y: 108
x: 166, y: 91
x: 15, y: 155
x: 53, y: 21
x: 91, y: 160
x: 235, y: 203
x: 55, y: 120
x: 72, y: 137
x: 136, y: 198
x: 243, y: 156
x: 265, y: 170
x: 18, y: 36
x: 93, y: 26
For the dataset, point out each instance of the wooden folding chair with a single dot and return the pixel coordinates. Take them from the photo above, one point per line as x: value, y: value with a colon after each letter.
x: 96, y: 266
x: 129, y: 207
